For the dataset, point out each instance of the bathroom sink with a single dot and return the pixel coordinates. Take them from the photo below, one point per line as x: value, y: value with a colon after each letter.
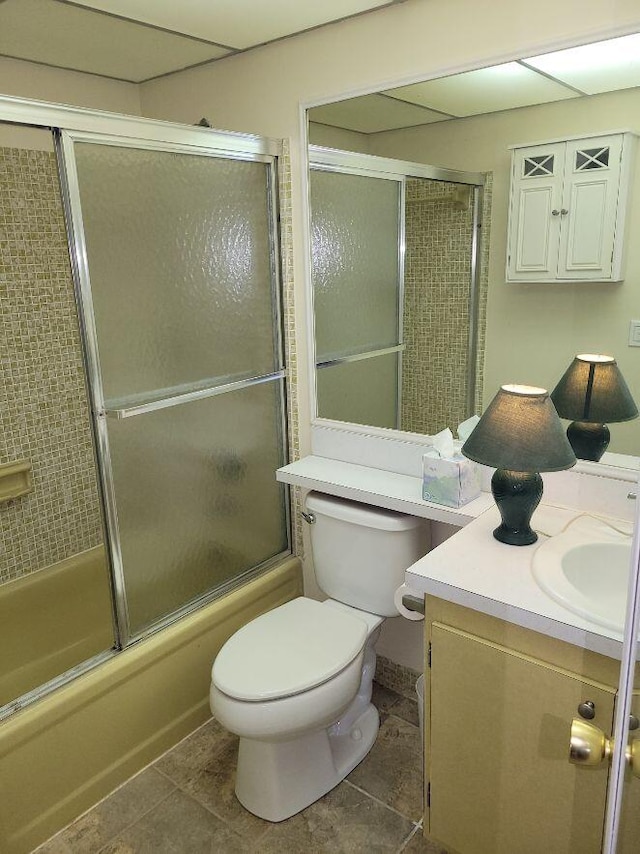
x: 586, y: 569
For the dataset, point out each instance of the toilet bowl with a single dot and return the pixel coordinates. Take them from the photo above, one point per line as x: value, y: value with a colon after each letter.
x: 295, y: 683
x: 300, y: 702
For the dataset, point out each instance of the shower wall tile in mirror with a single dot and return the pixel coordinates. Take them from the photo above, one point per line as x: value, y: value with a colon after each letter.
x: 55, y: 609
x: 438, y: 234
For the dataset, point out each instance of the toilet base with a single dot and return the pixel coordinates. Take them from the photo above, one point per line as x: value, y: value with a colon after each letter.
x: 276, y: 779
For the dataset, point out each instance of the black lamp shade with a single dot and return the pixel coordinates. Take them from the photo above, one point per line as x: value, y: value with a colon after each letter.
x: 520, y: 431
x: 520, y: 435
x: 591, y: 392
x: 592, y: 389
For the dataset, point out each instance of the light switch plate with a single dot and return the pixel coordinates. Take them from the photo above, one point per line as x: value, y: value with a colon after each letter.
x: 634, y: 333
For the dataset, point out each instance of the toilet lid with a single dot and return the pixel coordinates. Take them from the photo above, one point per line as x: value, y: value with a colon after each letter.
x: 288, y: 650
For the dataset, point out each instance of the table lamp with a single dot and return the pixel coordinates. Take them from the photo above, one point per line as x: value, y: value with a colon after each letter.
x: 519, y: 435
x: 591, y: 392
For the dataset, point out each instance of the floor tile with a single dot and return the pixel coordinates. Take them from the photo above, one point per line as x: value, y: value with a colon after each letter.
x: 384, y: 699
x: 392, y: 771
x: 407, y: 710
x: 419, y: 845
x: 177, y: 826
x: 97, y: 827
x: 192, y: 755
x: 345, y: 821
x: 204, y: 766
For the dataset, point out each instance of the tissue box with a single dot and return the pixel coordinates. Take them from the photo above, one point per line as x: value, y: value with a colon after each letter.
x: 453, y: 481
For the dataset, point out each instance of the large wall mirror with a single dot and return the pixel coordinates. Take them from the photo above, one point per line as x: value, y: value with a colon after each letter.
x: 460, y: 328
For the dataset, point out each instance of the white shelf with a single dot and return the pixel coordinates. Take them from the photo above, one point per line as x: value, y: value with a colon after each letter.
x: 374, y: 486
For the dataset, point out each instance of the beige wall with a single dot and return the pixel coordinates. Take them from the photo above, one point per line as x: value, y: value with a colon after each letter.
x: 262, y: 90
x: 534, y: 330
x: 330, y: 137
x: 42, y: 83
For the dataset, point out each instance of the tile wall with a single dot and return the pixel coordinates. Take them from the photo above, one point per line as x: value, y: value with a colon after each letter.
x: 438, y: 234
x: 44, y: 415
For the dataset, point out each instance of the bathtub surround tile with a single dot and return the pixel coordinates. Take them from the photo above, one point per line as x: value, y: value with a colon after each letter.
x: 44, y: 411
x: 184, y: 802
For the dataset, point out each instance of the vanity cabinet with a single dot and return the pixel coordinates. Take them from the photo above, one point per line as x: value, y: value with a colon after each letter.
x: 567, y: 209
x: 499, y: 704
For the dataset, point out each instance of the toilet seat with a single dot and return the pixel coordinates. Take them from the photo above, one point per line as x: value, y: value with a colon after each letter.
x: 287, y: 651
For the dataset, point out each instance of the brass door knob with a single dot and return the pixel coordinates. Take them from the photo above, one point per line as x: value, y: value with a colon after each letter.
x: 590, y: 746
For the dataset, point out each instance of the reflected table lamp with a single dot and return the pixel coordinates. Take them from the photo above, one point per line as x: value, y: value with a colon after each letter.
x: 519, y: 435
x: 591, y: 392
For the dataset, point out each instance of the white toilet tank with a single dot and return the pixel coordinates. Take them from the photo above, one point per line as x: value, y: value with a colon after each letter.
x: 360, y: 553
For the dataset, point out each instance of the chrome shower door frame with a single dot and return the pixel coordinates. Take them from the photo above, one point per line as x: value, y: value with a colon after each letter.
x: 372, y: 166
x: 213, y: 145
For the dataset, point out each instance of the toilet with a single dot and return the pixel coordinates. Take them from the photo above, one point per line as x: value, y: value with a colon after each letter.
x: 295, y: 683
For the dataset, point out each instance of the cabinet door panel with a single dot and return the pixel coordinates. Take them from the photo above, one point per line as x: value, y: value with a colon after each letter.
x: 497, y: 756
x: 590, y: 198
x: 534, y: 227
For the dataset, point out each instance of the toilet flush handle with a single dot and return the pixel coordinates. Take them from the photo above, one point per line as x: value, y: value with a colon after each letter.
x: 308, y: 517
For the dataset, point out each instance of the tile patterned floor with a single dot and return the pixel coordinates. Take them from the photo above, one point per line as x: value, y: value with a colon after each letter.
x: 184, y: 802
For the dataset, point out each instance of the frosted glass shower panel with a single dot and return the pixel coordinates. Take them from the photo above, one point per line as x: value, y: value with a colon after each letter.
x: 181, y: 267
x: 355, y: 235
x: 197, y: 500
x: 365, y: 392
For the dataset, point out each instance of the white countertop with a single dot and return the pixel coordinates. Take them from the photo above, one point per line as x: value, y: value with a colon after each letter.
x: 477, y: 571
x: 386, y: 489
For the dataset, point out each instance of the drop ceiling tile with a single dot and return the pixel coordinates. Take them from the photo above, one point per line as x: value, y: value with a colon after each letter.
x: 70, y: 37
x: 487, y: 90
x: 238, y: 23
x: 594, y: 68
x: 372, y: 114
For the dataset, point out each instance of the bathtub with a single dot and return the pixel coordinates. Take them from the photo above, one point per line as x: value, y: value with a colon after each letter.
x: 53, y: 619
x: 60, y: 755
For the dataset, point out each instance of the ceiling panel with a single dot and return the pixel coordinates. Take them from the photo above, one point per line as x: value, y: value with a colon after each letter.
x: 71, y: 37
x: 594, y: 68
x: 237, y: 23
x: 487, y: 90
x: 372, y: 114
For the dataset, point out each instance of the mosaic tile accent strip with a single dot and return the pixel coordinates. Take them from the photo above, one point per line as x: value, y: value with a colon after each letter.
x: 44, y: 414
x: 396, y: 677
x: 289, y: 323
x: 438, y: 234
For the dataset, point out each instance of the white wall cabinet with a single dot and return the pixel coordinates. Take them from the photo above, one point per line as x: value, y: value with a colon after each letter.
x: 567, y: 209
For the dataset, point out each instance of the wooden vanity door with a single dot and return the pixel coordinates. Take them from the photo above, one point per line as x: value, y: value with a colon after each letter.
x: 498, y: 726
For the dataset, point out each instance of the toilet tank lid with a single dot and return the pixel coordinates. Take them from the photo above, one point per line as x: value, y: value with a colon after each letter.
x: 289, y: 650
x: 360, y: 514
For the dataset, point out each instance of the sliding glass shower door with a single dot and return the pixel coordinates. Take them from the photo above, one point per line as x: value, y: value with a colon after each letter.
x: 356, y: 246
x: 175, y: 249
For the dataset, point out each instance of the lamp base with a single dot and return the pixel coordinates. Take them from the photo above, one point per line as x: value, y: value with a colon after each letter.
x: 517, y: 495
x: 589, y: 441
